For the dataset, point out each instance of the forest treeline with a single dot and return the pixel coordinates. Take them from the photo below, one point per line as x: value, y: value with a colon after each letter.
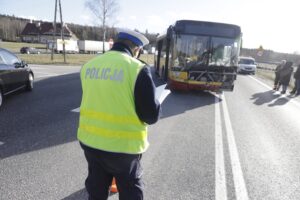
x: 11, y: 28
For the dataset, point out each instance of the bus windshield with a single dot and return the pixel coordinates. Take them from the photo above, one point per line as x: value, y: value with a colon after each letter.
x: 224, y: 52
x: 192, y: 51
x: 189, y: 50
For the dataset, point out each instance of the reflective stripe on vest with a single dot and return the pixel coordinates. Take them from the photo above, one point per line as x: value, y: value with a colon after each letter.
x: 108, y: 120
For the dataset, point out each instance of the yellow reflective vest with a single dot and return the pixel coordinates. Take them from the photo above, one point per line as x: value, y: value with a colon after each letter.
x: 108, y: 120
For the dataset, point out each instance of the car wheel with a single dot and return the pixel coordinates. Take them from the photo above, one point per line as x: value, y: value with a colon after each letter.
x: 29, y: 85
x: 1, y: 98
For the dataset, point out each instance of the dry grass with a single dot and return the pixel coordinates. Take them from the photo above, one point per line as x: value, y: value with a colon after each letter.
x: 266, y: 74
x: 71, y: 59
x: 16, y: 46
x: 270, y: 75
x: 148, y: 58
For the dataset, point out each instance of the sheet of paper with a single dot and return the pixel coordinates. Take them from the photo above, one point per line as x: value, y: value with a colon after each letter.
x: 161, y: 93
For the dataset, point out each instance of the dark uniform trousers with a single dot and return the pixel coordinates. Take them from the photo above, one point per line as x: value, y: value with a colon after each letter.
x: 103, y: 166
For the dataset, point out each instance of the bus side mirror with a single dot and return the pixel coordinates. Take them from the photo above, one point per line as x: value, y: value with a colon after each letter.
x: 139, y: 54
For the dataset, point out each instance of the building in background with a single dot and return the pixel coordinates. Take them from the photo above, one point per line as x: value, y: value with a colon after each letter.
x: 42, y: 32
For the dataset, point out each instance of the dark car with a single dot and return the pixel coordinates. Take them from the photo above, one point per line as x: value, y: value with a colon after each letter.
x: 29, y: 50
x: 14, y: 74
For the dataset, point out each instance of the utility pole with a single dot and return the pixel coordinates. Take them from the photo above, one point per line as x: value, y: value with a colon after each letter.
x: 103, y: 26
x: 54, y: 30
x: 62, y: 32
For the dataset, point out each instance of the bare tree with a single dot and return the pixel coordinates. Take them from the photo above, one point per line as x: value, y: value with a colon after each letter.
x: 104, y: 11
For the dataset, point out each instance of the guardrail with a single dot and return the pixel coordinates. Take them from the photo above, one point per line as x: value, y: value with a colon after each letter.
x: 265, y: 68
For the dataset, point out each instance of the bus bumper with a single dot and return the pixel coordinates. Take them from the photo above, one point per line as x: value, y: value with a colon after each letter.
x: 186, y: 86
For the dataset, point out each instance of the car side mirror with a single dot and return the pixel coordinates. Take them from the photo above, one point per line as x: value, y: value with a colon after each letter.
x: 23, y: 63
x: 20, y: 64
x: 139, y: 54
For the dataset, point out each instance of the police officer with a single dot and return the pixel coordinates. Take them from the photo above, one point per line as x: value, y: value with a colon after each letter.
x: 118, y: 101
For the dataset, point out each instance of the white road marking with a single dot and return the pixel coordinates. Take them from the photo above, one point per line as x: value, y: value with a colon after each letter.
x: 54, y: 74
x: 263, y: 84
x: 45, y: 76
x: 1, y: 143
x: 161, y: 94
x: 49, y: 75
x: 220, y: 175
x: 238, y: 178
x: 270, y: 88
x: 37, y: 67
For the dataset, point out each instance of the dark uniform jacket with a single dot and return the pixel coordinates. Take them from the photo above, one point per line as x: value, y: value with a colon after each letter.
x: 297, y: 73
x: 146, y: 105
x: 277, y: 70
x: 286, y: 73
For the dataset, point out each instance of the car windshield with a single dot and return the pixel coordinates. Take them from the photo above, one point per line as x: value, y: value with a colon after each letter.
x: 246, y: 61
x: 8, y: 58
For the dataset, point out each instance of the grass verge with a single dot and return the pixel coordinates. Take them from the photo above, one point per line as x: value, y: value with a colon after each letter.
x: 16, y: 46
x: 45, y: 58
x: 71, y: 59
x: 270, y: 75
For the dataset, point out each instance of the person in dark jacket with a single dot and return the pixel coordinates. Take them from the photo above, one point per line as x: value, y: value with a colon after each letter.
x: 277, y: 72
x: 285, y: 74
x: 296, y: 88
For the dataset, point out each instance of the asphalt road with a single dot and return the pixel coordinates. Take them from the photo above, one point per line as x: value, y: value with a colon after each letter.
x: 237, y: 145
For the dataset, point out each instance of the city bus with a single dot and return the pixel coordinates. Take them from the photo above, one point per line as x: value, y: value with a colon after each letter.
x: 198, y: 55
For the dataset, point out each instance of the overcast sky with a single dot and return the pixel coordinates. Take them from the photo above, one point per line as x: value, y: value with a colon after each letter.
x: 273, y: 24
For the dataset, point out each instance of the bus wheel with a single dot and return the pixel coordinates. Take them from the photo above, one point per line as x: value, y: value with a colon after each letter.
x: 1, y: 97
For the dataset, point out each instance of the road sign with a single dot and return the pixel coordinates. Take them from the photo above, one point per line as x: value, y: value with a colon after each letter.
x: 260, y: 50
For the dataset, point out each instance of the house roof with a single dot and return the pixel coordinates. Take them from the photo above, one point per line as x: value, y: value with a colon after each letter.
x: 44, y: 28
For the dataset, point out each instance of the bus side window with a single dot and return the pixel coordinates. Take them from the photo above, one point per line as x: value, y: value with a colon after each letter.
x: 163, y: 55
x: 157, y: 55
x: 163, y: 50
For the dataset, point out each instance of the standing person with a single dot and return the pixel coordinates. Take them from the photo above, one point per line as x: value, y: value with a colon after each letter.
x: 285, y: 74
x: 118, y: 101
x: 277, y: 72
x: 296, y: 88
